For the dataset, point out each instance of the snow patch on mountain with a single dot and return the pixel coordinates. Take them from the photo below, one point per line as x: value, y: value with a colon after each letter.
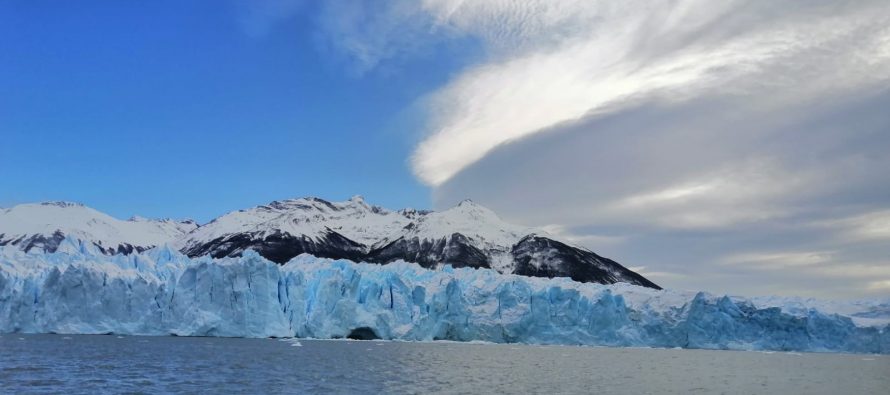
x: 472, y: 220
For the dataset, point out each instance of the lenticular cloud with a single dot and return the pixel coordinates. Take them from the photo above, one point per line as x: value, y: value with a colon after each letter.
x: 555, y: 62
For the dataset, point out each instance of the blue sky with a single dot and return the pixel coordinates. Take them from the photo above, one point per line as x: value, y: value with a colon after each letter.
x: 177, y: 109
x: 737, y: 146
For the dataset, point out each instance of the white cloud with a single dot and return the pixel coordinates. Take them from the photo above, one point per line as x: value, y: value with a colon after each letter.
x: 655, y: 275
x: 585, y: 240
x: 372, y: 32
x: 870, y: 226
x: 780, y: 260
x: 573, y: 59
x: 258, y: 17
x: 881, y: 286
x: 867, y: 271
x: 736, y: 194
x: 829, y: 269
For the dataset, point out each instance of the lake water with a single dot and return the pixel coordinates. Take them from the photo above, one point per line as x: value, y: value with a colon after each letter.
x: 96, y: 364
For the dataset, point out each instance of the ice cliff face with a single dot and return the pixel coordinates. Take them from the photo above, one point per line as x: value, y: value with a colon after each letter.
x: 161, y: 292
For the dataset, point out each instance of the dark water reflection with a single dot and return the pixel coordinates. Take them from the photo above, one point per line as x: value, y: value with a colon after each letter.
x: 101, y: 364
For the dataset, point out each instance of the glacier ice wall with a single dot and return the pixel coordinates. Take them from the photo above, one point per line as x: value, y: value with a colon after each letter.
x: 161, y: 292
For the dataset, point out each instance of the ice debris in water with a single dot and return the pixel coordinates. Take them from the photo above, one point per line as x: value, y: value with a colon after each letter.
x: 162, y: 292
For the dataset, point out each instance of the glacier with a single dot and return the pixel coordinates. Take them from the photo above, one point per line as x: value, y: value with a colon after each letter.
x: 79, y: 290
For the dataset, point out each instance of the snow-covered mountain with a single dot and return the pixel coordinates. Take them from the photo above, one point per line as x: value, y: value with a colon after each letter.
x: 467, y: 235
x: 42, y: 226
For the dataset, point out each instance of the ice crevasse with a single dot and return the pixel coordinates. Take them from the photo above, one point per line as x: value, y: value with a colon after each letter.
x: 162, y: 292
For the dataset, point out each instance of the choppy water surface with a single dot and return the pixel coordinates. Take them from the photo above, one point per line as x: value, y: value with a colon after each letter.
x: 93, y: 364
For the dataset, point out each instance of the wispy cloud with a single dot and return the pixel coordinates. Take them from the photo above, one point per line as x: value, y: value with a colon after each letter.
x: 870, y: 226
x: 780, y: 260
x: 582, y: 239
x: 556, y: 62
x: 258, y: 17
x: 880, y: 286
x: 738, y: 193
x: 371, y: 32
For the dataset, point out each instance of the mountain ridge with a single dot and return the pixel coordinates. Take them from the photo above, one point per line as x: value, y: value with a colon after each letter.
x: 466, y: 235
x: 44, y: 225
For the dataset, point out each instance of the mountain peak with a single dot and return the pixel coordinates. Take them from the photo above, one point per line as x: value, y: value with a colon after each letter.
x: 475, y: 210
x: 469, y: 205
x: 359, y: 200
x: 60, y: 203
